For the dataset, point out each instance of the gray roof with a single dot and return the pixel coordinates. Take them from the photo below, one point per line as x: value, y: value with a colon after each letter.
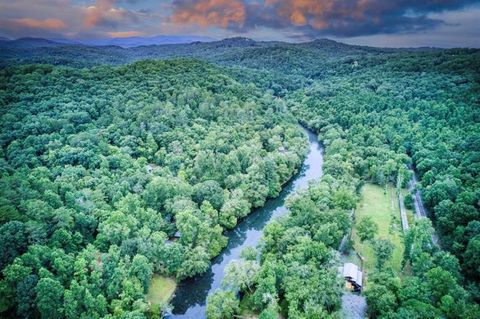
x: 352, y: 272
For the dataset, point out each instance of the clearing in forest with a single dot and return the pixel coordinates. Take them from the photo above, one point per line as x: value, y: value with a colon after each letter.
x: 381, y: 204
x: 161, y: 290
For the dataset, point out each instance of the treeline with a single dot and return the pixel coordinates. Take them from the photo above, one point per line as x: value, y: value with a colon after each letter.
x: 111, y: 174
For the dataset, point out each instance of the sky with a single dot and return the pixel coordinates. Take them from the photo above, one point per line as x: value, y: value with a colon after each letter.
x: 386, y: 23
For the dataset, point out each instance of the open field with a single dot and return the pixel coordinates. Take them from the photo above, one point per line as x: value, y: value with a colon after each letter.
x: 382, y: 205
x: 161, y: 289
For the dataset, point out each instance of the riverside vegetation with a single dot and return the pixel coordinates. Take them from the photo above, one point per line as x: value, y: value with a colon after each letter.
x: 103, y: 162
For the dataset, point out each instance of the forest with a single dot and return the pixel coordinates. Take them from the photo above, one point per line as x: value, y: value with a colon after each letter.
x: 118, y: 164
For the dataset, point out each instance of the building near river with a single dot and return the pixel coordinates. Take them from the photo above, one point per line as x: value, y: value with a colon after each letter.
x: 353, y: 276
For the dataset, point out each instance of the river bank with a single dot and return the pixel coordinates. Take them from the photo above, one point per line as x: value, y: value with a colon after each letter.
x: 190, y: 297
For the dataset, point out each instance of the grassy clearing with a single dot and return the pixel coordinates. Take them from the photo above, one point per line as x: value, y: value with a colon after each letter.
x: 161, y: 289
x: 382, y: 205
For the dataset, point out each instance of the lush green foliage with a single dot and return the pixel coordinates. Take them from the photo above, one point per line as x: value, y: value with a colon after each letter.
x: 222, y: 305
x: 100, y: 167
x: 383, y: 249
x: 297, y: 274
x: 420, y: 109
x: 433, y: 290
x: 367, y: 228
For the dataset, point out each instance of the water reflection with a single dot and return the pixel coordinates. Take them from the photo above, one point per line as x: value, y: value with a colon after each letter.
x: 191, y: 295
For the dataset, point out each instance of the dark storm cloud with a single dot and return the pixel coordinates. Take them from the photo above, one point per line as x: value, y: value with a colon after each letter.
x: 313, y: 18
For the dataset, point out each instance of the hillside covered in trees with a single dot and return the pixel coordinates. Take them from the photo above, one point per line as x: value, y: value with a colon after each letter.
x: 120, y: 163
x: 101, y: 167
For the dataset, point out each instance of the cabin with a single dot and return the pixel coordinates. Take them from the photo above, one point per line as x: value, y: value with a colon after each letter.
x: 353, y: 276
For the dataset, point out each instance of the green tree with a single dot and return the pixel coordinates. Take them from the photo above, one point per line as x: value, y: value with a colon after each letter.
x: 383, y: 250
x: 241, y: 275
x: 209, y: 191
x: 142, y: 269
x: 472, y: 257
x: 222, y: 305
x: 49, y: 298
x: 196, y: 261
x: 13, y: 237
x: 269, y: 313
x: 367, y: 228
x: 380, y: 300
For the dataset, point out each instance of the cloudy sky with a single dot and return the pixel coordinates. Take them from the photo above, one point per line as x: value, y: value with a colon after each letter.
x: 443, y: 23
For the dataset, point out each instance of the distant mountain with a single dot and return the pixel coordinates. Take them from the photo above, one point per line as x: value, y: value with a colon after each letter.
x: 129, y: 42
x: 312, y: 59
x: 236, y: 42
x: 65, y: 41
x: 142, y: 41
x: 27, y: 43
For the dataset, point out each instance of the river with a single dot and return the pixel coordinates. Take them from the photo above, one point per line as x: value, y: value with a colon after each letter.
x: 191, y: 294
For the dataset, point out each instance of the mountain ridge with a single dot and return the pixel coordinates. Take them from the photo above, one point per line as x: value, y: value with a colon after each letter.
x: 127, y: 42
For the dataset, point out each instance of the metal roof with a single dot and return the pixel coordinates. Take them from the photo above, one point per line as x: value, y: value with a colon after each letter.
x: 352, y: 272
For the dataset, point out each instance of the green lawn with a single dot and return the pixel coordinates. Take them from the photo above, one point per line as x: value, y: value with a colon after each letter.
x: 382, y: 205
x: 161, y: 289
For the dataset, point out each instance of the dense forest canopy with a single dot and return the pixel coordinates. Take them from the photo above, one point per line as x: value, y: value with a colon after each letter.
x: 106, y: 161
x: 102, y: 166
x: 421, y: 112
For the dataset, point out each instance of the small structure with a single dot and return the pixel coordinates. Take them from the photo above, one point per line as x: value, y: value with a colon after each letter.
x: 150, y: 168
x: 353, y: 275
x: 175, y: 237
x: 282, y: 149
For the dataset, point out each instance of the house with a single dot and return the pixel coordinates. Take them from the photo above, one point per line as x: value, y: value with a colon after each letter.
x: 353, y: 275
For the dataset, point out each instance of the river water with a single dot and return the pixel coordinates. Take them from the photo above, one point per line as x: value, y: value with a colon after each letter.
x: 191, y: 295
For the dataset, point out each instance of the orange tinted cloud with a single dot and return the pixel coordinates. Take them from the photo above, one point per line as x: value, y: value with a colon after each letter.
x: 102, y: 11
x: 125, y: 34
x: 49, y: 24
x: 206, y: 13
x: 304, y: 12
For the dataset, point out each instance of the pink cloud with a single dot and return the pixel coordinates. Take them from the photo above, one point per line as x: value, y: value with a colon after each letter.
x: 103, y: 11
x: 47, y: 24
x: 125, y: 34
x: 221, y: 13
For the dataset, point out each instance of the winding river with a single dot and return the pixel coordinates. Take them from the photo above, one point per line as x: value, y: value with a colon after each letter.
x: 191, y: 295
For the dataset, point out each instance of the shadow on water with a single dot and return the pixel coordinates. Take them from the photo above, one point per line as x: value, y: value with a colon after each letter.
x: 191, y: 295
